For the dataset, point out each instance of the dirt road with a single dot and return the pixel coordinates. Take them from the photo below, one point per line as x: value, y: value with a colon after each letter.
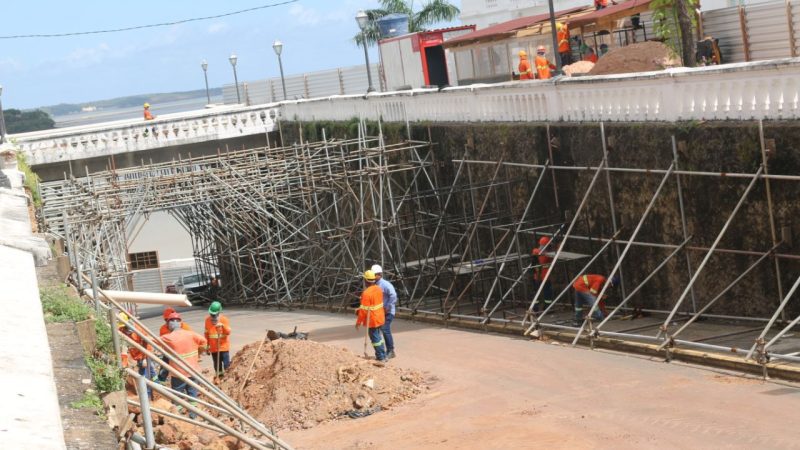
x: 501, y: 392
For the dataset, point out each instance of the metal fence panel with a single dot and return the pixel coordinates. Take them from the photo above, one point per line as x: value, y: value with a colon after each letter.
x: 723, y: 24
x: 768, y: 31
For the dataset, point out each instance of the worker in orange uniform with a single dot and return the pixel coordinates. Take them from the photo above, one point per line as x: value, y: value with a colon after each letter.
x: 541, y: 264
x: 543, y: 66
x: 370, y: 313
x: 564, y: 49
x: 525, y: 72
x: 590, y: 55
x: 143, y: 364
x: 218, y: 329
x: 147, y: 114
x: 187, y: 345
x: 164, y: 373
x: 587, y: 287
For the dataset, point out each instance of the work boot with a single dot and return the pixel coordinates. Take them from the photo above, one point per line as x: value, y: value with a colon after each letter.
x: 390, y: 355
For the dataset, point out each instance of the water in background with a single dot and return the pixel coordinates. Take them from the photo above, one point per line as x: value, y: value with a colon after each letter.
x: 109, y: 115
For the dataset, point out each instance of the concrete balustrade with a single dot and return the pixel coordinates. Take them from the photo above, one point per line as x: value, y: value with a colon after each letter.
x: 744, y: 91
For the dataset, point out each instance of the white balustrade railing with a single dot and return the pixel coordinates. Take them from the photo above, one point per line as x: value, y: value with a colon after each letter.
x: 102, y: 140
x: 744, y: 91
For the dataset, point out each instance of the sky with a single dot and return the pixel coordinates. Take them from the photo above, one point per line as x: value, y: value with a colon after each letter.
x: 317, y: 35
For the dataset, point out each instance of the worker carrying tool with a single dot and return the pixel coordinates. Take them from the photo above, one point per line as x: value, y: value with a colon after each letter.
x: 587, y: 287
x: 525, y: 72
x: 187, y: 345
x: 543, y: 66
x: 564, y: 50
x: 389, y: 308
x: 541, y: 263
x: 218, y: 329
x: 370, y: 313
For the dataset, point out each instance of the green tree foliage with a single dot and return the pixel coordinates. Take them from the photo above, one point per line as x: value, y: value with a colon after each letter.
x: 23, y: 121
x: 675, y: 23
x: 432, y: 12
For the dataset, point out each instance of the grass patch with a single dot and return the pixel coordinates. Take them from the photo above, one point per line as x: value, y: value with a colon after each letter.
x: 103, y: 332
x: 31, y: 179
x: 107, y: 376
x: 59, y: 306
x: 91, y: 400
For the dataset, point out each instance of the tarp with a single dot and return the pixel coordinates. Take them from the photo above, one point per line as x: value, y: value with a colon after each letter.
x: 505, y: 29
x: 603, y: 18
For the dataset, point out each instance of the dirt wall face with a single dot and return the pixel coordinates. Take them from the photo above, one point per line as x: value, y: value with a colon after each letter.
x: 729, y: 147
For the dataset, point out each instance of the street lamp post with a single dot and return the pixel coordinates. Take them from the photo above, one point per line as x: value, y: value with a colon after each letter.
x: 362, y: 19
x: 233, y: 59
x: 204, y: 65
x: 2, y: 120
x: 278, y: 47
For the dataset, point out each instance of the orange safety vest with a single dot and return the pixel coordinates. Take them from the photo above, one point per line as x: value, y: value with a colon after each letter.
x: 372, y: 302
x: 525, y: 72
x: 590, y: 284
x: 186, y: 344
x: 542, y: 68
x: 563, y: 40
x: 219, y: 335
x: 599, y: 4
x: 148, y: 115
x: 165, y: 329
x: 544, y: 264
x: 136, y: 354
x: 592, y: 57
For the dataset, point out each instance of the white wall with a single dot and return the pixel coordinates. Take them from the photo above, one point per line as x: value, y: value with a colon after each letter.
x: 165, y: 235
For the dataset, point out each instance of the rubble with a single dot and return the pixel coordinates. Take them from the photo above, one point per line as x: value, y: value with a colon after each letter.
x: 642, y: 57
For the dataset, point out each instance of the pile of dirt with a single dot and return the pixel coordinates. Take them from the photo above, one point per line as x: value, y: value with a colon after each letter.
x: 299, y: 384
x: 642, y: 57
x: 185, y: 436
x: 578, y: 67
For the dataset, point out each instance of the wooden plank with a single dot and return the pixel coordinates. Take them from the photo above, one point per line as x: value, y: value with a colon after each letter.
x: 789, y: 19
x: 745, y: 40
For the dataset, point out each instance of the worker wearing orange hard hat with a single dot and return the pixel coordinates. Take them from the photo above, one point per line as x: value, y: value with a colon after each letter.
x: 525, y: 72
x: 164, y: 328
x: 587, y: 288
x: 187, y: 345
x: 543, y: 66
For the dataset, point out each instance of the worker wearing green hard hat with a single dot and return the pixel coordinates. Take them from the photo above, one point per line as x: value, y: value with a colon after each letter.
x: 218, y: 331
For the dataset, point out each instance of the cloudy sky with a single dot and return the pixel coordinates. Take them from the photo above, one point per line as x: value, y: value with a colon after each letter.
x: 44, y: 71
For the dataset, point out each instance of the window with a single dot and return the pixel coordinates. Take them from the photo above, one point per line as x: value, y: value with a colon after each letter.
x: 483, y: 66
x: 143, y: 260
x: 464, y: 64
x: 500, y: 60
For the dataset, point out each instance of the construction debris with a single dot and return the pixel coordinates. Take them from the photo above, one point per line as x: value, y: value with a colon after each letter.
x: 299, y: 384
x: 642, y: 57
x: 275, y: 335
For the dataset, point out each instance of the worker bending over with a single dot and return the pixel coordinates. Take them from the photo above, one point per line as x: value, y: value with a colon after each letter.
x: 389, y: 308
x: 587, y: 287
x: 187, y: 345
x: 143, y: 364
x: 218, y: 329
x: 370, y: 313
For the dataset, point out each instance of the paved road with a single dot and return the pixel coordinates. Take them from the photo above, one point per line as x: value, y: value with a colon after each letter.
x: 498, y: 391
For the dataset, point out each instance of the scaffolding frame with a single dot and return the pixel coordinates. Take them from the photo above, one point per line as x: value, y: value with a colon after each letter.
x: 296, y: 225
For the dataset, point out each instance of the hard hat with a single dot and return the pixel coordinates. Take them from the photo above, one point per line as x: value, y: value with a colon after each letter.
x: 168, y: 311
x: 147, y: 105
x: 369, y: 275
x: 122, y: 319
x: 376, y: 269
x: 174, y: 316
x: 523, y: 53
x: 215, y: 307
x: 544, y: 240
x: 559, y: 25
x: 540, y: 49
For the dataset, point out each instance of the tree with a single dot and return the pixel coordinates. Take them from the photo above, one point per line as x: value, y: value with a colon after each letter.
x: 23, y: 121
x: 432, y: 12
x: 675, y: 23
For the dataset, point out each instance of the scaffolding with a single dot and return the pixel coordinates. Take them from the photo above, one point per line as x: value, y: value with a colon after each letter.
x: 295, y: 225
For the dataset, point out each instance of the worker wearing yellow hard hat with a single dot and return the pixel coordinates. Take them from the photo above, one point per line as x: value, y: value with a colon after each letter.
x: 525, y: 72
x: 147, y: 114
x: 370, y: 313
x: 129, y: 329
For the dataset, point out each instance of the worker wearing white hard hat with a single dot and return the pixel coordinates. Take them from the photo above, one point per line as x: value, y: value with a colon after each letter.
x: 389, y: 308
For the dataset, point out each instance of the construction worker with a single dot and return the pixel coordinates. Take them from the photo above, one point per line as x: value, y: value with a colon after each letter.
x: 525, y: 72
x: 389, y: 308
x: 370, y: 313
x: 187, y: 345
x: 587, y: 287
x: 218, y: 329
x: 163, y: 374
x: 542, y: 265
x: 143, y: 364
x: 543, y: 66
x: 147, y: 114
x: 590, y: 55
x: 602, y: 4
x: 564, y: 49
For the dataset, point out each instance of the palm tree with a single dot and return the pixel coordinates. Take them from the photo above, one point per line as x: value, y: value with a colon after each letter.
x: 432, y: 12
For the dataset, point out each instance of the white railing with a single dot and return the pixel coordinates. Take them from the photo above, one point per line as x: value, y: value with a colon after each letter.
x: 744, y: 91
x: 757, y: 90
x: 102, y: 140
